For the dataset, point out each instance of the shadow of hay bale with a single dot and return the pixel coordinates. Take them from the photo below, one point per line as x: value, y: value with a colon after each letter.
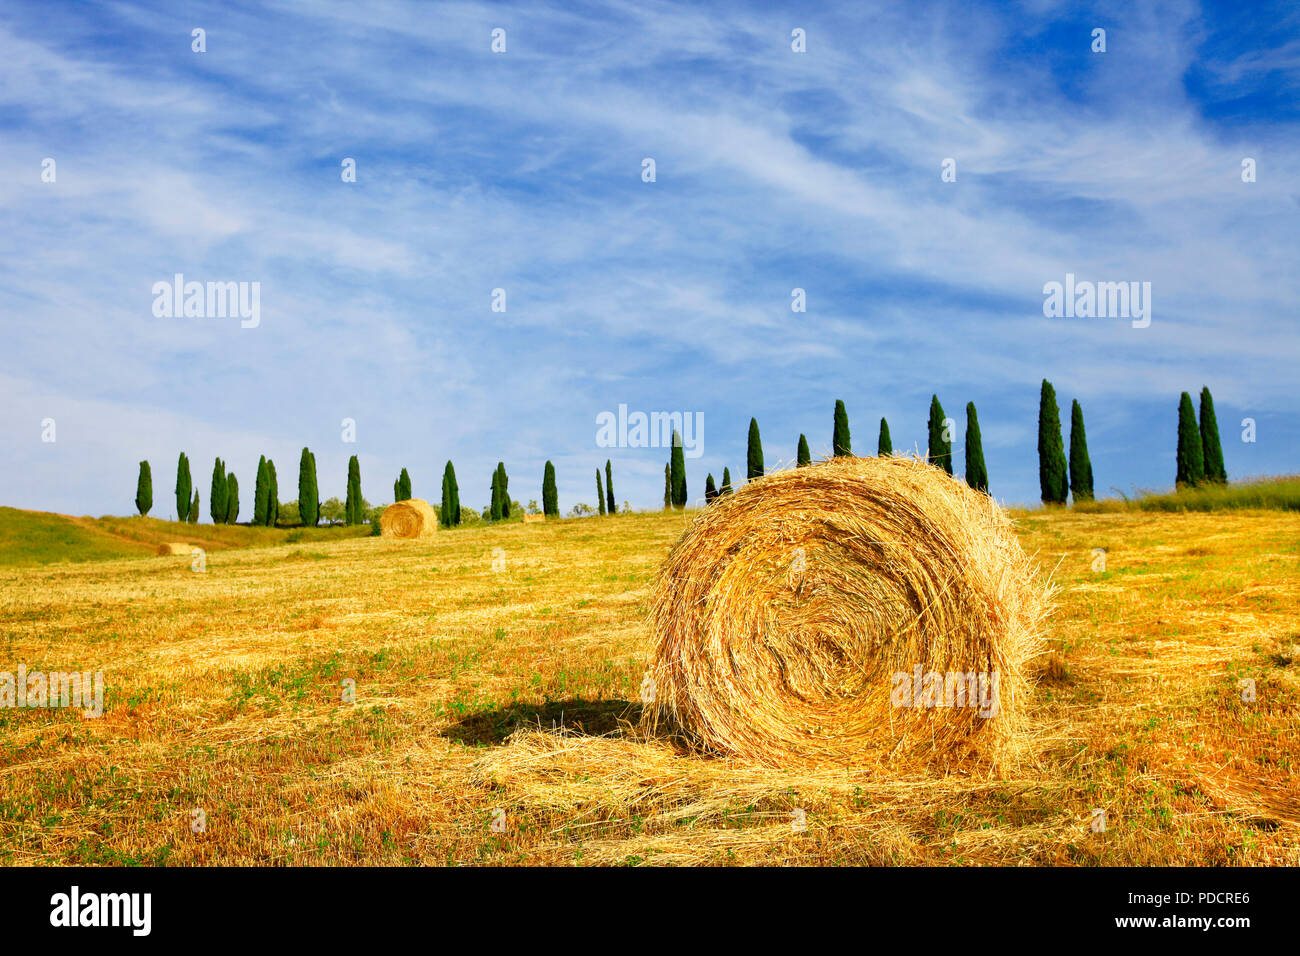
x: 594, y: 718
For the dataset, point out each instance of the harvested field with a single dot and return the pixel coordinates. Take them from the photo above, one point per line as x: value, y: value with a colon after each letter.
x: 478, y: 690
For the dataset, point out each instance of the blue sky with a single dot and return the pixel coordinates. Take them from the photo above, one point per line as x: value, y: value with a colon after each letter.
x: 522, y: 170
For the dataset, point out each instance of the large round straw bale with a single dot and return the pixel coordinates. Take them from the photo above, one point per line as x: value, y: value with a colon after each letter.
x: 805, y: 619
x: 175, y: 547
x: 412, y: 518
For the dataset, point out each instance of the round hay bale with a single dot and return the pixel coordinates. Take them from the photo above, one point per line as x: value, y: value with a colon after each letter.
x: 412, y: 518
x: 175, y: 547
x: 806, y: 618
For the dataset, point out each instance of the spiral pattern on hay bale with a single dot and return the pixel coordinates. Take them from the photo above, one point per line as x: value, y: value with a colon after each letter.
x: 412, y: 518
x: 802, y: 620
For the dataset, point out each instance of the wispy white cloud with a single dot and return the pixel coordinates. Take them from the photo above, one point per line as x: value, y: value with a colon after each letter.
x: 775, y: 170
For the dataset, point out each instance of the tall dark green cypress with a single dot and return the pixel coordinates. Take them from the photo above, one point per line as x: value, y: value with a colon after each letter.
x: 144, y: 489
x: 353, y: 508
x: 217, y: 494
x: 308, y: 503
x: 940, y: 451
x: 261, y: 492
x: 600, y: 493
x: 494, y: 509
x: 977, y: 475
x: 678, y: 468
x: 550, y: 495
x: 402, y: 487
x: 193, y: 517
x: 272, y: 495
x: 503, y: 488
x: 1080, y: 463
x: 609, y: 488
x: 1191, y: 456
x: 184, y: 488
x: 710, y: 490
x: 841, y: 443
x: 1053, y: 482
x: 1211, y: 449
x: 754, y: 453
x: 802, y: 456
x: 726, y: 488
x: 668, y: 486
x: 884, y: 444
x: 444, y: 506
x: 451, y: 500
x: 315, y: 488
x: 232, y: 498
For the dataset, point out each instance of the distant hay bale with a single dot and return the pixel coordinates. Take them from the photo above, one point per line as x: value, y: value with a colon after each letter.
x: 854, y: 611
x: 412, y: 518
x: 533, y: 519
x: 175, y: 547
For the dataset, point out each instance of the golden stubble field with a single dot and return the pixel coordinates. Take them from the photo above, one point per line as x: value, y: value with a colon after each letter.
x: 481, y: 689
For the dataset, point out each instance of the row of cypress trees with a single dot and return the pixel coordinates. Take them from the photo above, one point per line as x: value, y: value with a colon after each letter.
x: 1056, y: 479
x: 1200, y: 454
x: 940, y: 452
x: 450, y: 513
x: 605, y: 494
x: 223, y: 497
x: 1199, y: 460
x: 939, y: 448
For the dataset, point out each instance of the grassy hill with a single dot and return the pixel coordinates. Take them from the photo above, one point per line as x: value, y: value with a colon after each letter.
x: 1267, y: 494
x: 39, y: 537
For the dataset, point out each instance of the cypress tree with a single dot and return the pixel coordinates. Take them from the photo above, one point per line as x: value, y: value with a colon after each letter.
x: 184, y: 486
x: 678, y: 467
x: 609, y: 488
x: 444, y: 507
x: 308, y: 504
x: 1080, y: 463
x: 451, y: 496
x: 1211, y: 449
x: 802, y: 456
x: 884, y: 445
x: 404, y: 486
x: 1053, y: 481
x: 495, y: 508
x: 261, y: 492
x: 940, y: 451
x: 503, y: 485
x: 217, y: 495
x: 272, y: 495
x: 840, y: 441
x: 315, y: 489
x: 397, y: 489
x: 977, y: 475
x: 353, y: 506
x: 754, y: 454
x: 600, y: 493
x: 550, y: 497
x: 232, y: 498
x: 144, y: 489
x: 1191, y: 456
x: 710, y: 490
x: 194, y: 510
x: 668, y: 486
x: 726, y: 488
